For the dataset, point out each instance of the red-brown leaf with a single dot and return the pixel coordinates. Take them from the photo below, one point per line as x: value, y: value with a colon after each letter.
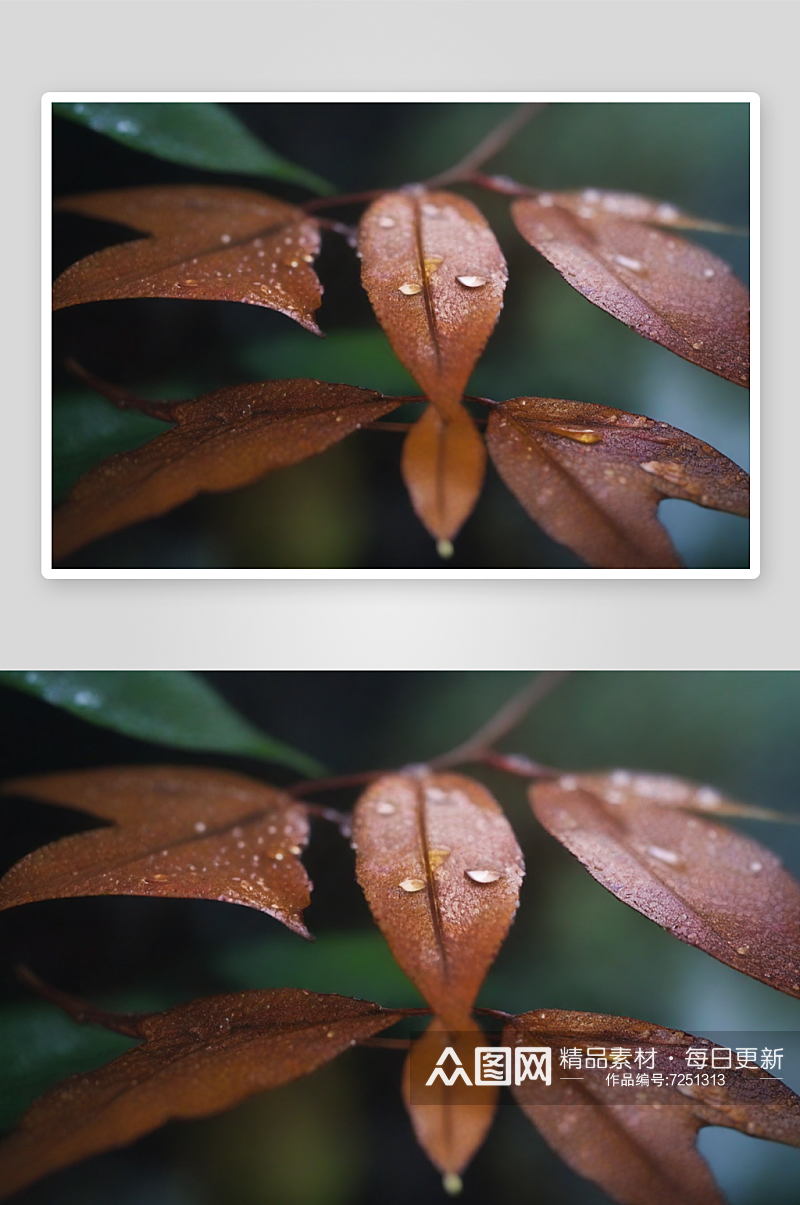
x: 673, y: 292
x: 453, y: 1126
x: 435, y: 275
x: 632, y: 207
x: 196, y: 1059
x: 706, y: 884
x: 178, y: 831
x: 441, y: 870
x: 643, y: 1152
x: 222, y: 440
x: 592, y: 477
x: 444, y: 460
x: 210, y: 244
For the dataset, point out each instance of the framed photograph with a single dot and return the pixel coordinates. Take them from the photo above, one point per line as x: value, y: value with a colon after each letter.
x: 400, y: 335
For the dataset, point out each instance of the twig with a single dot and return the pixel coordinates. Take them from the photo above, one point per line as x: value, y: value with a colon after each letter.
x: 123, y: 399
x: 312, y: 785
x: 488, y: 147
x: 477, y: 746
x: 80, y: 1010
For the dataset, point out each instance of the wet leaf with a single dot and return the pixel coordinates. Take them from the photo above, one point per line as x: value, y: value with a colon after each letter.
x: 221, y: 440
x: 670, y: 291
x: 706, y: 884
x: 166, y: 707
x: 592, y: 477
x: 204, y: 135
x: 435, y: 275
x: 642, y: 1152
x: 453, y: 1126
x: 178, y: 831
x: 444, y: 460
x: 197, y: 1059
x: 632, y: 207
x: 210, y: 244
x: 441, y: 870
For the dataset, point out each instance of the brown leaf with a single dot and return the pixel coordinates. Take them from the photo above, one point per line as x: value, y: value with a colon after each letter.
x: 435, y: 275
x: 632, y: 207
x: 178, y: 831
x: 211, y: 244
x: 592, y: 477
x: 673, y: 292
x: 196, y: 1059
x: 441, y: 870
x: 453, y: 1126
x: 642, y: 1152
x: 222, y: 440
x: 444, y: 460
x: 706, y: 884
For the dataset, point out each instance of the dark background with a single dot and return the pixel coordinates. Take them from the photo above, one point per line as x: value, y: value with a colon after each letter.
x: 341, y: 1136
x: 348, y: 507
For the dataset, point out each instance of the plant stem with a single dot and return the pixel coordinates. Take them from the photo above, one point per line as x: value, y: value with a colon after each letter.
x: 123, y: 399
x: 80, y: 1010
x: 488, y: 147
x: 478, y: 746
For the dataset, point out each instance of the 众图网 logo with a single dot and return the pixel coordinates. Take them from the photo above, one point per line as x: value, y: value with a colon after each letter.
x: 493, y: 1066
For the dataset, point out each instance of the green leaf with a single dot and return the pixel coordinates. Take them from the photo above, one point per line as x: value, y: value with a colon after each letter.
x: 166, y: 707
x: 87, y: 429
x: 202, y: 135
x: 40, y: 1045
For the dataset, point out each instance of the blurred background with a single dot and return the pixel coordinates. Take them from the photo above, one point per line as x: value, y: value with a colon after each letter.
x: 348, y: 507
x: 341, y: 1136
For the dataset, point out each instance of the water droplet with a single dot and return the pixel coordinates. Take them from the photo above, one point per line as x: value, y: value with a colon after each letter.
x: 309, y: 259
x: 329, y: 1034
x: 160, y: 878
x: 756, y: 866
x: 452, y: 1184
x: 568, y: 782
x: 385, y: 809
x: 483, y: 876
x: 435, y: 795
x: 127, y: 127
x: 624, y: 261
x: 697, y: 346
x: 386, y: 223
x: 707, y: 797
x: 445, y: 549
x: 742, y: 949
x: 669, y: 469
x: 591, y: 195
x: 295, y: 849
x: 432, y: 262
x: 472, y: 282
x: 708, y: 273
x: 200, y: 826
x: 664, y: 855
x: 412, y: 885
x: 430, y: 210
x: 279, y: 856
x: 224, y: 238
x: 621, y: 778
x: 666, y: 213
x: 437, y: 856
x: 410, y: 289
x: 545, y: 199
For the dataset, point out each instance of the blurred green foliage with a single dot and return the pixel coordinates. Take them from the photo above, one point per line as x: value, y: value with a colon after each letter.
x: 550, y: 341
x: 342, y: 1134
